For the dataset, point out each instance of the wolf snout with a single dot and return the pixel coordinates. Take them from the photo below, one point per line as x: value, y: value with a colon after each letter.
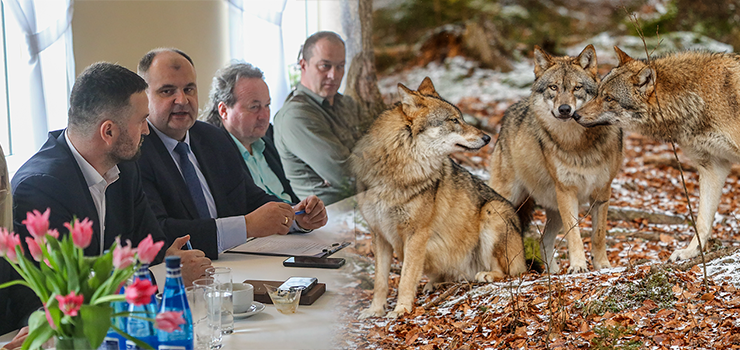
x: 486, y: 139
x: 565, y: 110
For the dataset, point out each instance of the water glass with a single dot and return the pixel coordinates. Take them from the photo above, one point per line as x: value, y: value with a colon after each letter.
x: 205, y: 305
x: 222, y: 276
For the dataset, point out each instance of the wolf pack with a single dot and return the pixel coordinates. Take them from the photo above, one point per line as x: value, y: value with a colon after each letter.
x: 559, y: 149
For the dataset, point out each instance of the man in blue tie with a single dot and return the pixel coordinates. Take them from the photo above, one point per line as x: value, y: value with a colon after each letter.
x: 191, y: 174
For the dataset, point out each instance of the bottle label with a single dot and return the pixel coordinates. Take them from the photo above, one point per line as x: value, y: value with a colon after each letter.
x: 174, y: 273
x: 109, y: 344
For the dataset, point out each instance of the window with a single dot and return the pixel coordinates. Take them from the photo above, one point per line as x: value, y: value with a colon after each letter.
x: 36, y: 77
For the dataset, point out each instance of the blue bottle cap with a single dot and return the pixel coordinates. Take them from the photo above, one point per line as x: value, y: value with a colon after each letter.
x: 172, y: 262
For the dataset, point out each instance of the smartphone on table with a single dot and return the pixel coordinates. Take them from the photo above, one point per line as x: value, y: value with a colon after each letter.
x: 305, y: 283
x: 310, y: 261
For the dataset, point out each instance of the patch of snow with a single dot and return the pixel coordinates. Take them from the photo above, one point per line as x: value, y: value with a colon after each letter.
x: 726, y: 269
x: 459, y: 77
x: 671, y: 42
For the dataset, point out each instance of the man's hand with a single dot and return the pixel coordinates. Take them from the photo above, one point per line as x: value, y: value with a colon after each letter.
x: 315, y: 216
x: 17, y: 341
x: 194, y: 262
x: 269, y: 219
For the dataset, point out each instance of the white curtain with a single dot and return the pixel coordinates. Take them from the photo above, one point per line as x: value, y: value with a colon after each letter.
x: 49, y: 69
x: 257, y: 38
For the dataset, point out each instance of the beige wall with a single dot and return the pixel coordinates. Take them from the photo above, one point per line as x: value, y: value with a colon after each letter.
x: 122, y: 31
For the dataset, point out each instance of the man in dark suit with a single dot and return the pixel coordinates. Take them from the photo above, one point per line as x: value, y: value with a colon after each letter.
x: 190, y: 172
x: 240, y: 105
x: 86, y: 170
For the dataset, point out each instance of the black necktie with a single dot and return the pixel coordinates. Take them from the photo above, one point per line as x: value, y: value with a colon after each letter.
x: 191, y: 179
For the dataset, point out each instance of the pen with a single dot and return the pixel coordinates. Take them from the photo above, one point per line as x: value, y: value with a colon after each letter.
x: 190, y: 246
x: 300, y: 212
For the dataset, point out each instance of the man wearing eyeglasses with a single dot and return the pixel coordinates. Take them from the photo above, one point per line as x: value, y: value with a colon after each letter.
x: 317, y: 127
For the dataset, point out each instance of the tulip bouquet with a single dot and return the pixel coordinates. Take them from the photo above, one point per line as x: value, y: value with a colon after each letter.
x: 76, y: 290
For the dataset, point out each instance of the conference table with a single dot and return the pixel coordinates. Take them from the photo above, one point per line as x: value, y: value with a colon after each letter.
x: 312, y: 326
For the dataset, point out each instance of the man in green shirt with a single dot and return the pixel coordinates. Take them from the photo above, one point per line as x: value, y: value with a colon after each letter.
x: 240, y: 104
x: 317, y: 127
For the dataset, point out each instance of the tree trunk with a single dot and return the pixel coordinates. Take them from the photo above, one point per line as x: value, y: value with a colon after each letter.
x: 362, y: 81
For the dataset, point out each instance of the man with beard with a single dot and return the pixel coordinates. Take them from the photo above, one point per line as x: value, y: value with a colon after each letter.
x: 317, y: 127
x: 86, y: 171
x: 240, y: 104
x: 190, y: 169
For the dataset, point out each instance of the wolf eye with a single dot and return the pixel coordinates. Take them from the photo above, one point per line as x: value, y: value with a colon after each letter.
x: 577, y: 88
x: 553, y: 87
x: 456, y: 121
x: 608, y: 99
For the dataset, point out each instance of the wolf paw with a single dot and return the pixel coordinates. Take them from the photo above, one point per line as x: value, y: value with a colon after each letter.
x: 488, y: 276
x: 684, y: 254
x: 398, y: 311
x: 577, y: 269
x: 371, y: 312
x: 598, y: 265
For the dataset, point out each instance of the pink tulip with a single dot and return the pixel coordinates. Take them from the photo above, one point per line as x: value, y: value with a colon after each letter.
x: 54, y: 233
x: 81, y: 232
x: 49, y: 319
x: 34, y: 248
x: 71, y: 303
x: 169, y: 321
x: 13, y: 240
x: 3, y: 240
x: 123, y: 257
x: 140, y: 292
x: 148, y: 250
x: 36, y: 223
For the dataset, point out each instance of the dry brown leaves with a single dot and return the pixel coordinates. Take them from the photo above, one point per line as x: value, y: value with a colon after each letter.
x: 584, y: 310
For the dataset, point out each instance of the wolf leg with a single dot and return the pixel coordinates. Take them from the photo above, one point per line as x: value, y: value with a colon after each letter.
x: 711, y: 180
x: 600, y: 202
x: 383, y: 256
x: 547, y: 246
x: 413, y: 265
x: 568, y: 208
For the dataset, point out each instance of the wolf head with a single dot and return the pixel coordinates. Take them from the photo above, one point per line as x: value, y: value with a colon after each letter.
x: 436, y: 123
x: 623, y: 96
x: 563, y: 84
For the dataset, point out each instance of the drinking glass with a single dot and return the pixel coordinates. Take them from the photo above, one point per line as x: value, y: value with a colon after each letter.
x: 222, y: 276
x: 205, y: 305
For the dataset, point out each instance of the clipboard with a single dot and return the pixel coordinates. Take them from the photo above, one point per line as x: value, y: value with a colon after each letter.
x: 290, y: 245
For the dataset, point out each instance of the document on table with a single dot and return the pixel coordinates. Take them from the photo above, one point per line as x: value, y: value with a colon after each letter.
x: 290, y: 245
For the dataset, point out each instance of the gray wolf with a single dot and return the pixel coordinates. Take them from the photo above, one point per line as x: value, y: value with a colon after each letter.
x: 437, y: 217
x: 542, y: 154
x: 687, y: 97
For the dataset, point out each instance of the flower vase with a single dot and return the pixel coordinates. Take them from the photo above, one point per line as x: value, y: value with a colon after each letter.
x: 65, y: 343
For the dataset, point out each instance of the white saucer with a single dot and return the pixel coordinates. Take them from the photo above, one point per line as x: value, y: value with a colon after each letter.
x: 256, y: 308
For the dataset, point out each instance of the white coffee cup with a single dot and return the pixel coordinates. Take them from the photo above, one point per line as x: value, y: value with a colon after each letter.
x: 243, y: 296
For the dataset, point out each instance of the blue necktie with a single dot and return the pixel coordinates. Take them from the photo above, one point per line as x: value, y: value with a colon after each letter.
x: 191, y: 180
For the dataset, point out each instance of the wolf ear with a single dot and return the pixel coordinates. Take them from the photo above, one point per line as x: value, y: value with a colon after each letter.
x: 408, y: 100
x: 542, y: 61
x: 427, y: 88
x: 587, y: 59
x: 645, y: 80
x: 622, y: 56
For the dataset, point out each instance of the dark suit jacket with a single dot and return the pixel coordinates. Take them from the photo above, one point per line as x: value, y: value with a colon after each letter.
x: 273, y: 161
x: 52, y: 179
x: 232, y: 188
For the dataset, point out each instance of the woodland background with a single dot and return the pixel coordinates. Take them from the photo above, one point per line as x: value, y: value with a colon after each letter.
x: 478, y: 54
